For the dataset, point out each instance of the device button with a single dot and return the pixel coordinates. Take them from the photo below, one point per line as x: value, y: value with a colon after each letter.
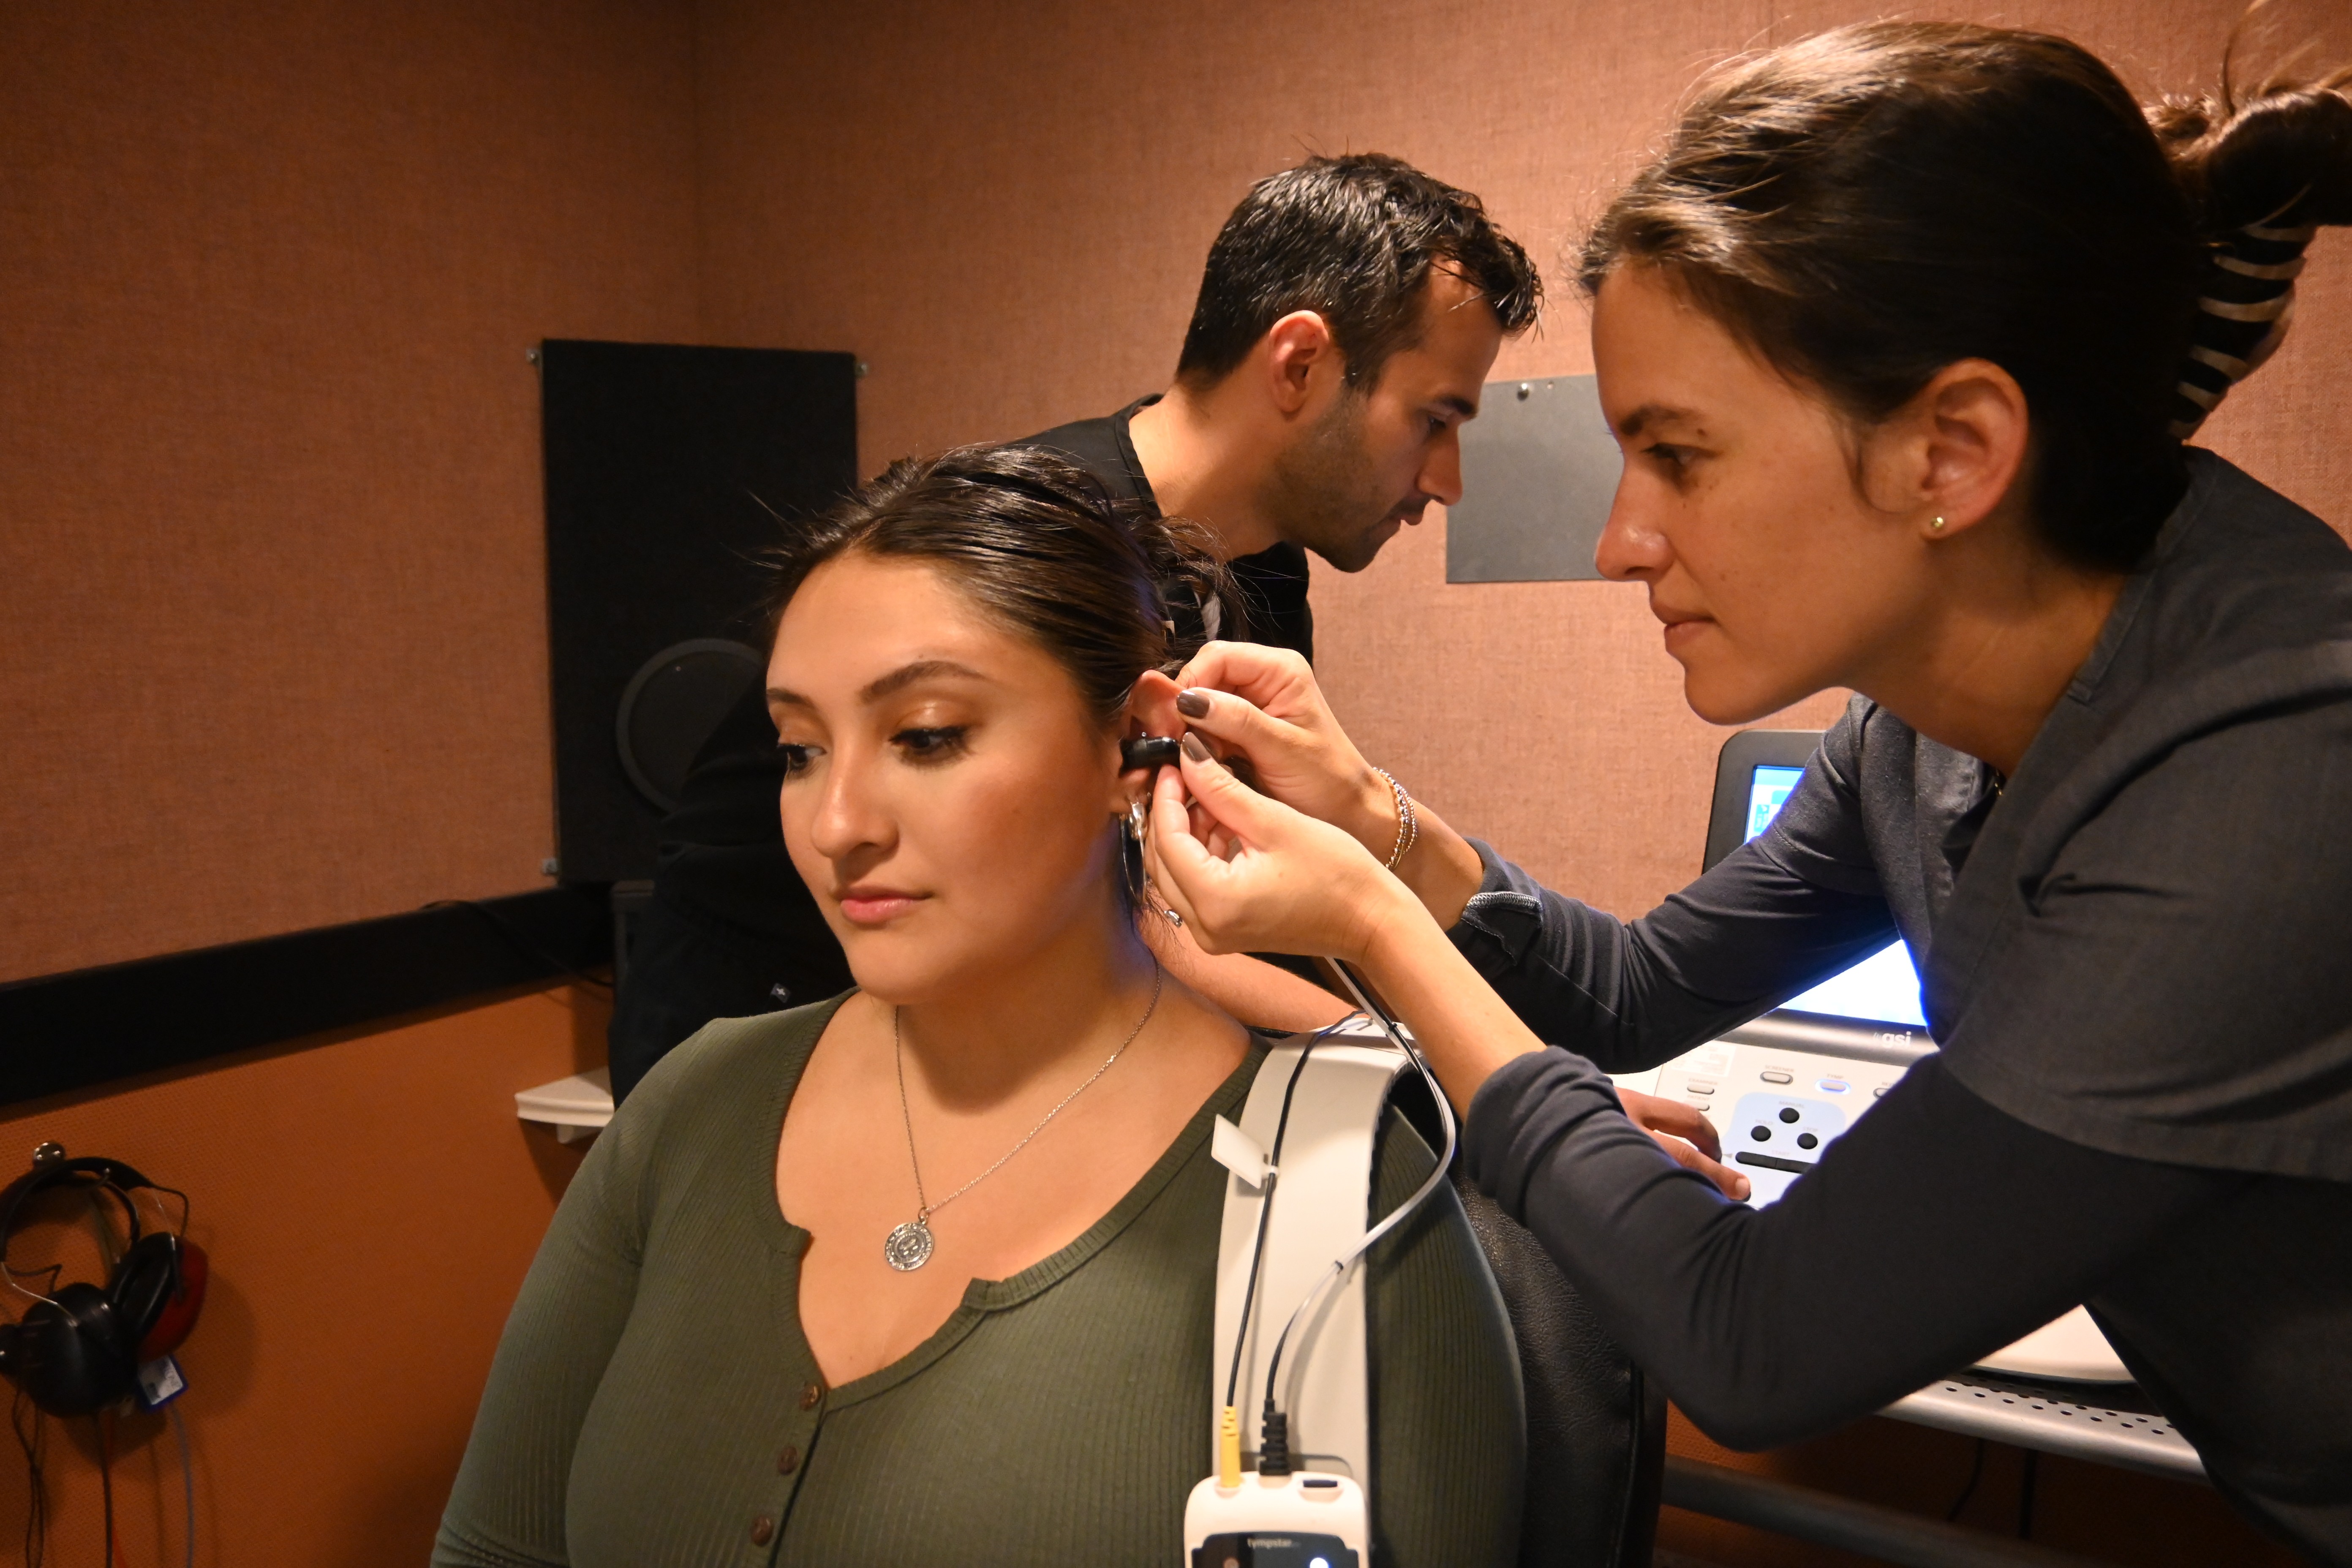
x: 1878, y: 1093
x: 1807, y: 1141
x: 811, y: 1395
x: 1319, y: 1490
x: 1761, y: 1134
x: 1788, y: 1113
x: 1700, y: 1085
x: 1774, y: 1074
x: 764, y: 1530
x: 788, y: 1461
x: 1834, y: 1086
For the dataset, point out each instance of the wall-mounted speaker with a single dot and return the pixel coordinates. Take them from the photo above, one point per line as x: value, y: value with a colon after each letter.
x: 669, y: 470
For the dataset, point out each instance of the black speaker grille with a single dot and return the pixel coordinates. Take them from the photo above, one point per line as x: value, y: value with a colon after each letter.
x: 667, y: 468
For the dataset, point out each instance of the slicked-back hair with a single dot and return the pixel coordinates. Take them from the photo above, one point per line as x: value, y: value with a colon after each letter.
x: 1353, y: 239
x: 1040, y: 547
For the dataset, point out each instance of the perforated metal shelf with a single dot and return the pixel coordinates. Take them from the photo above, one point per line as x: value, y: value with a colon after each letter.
x: 2057, y: 1418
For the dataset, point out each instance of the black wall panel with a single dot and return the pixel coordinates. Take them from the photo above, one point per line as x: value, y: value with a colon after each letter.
x: 666, y: 465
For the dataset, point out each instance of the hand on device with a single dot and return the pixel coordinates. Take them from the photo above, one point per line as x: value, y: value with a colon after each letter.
x: 1251, y: 875
x: 1263, y: 703
x: 1686, y: 1136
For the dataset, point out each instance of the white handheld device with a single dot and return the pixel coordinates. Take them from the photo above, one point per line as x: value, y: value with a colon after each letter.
x: 1299, y: 1521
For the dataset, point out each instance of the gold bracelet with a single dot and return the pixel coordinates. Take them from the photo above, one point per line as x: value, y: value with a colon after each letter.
x: 1408, y: 823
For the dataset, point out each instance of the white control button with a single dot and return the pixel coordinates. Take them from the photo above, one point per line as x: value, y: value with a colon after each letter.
x: 1833, y: 1085
x: 1774, y: 1074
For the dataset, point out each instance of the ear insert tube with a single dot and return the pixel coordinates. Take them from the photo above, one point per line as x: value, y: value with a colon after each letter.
x: 1296, y: 1517
x: 1273, y: 1443
x: 1148, y: 751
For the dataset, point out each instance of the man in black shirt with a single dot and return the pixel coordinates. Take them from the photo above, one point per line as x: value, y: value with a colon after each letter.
x: 1348, y: 316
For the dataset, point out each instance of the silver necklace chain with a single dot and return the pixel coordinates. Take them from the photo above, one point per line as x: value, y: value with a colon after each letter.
x: 909, y: 1247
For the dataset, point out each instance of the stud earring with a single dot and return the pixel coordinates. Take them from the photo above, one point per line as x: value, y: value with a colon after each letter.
x: 1936, y: 526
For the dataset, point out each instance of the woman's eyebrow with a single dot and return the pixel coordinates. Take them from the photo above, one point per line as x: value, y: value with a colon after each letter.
x: 921, y: 670
x: 1650, y: 415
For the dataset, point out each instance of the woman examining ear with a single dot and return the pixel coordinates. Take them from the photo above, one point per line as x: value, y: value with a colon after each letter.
x: 1901, y: 336
x: 926, y: 1273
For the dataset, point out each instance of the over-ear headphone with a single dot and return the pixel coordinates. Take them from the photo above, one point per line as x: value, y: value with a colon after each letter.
x: 80, y: 1348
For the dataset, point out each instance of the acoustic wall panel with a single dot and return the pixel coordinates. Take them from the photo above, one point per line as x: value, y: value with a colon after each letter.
x: 1539, y: 468
x: 669, y: 469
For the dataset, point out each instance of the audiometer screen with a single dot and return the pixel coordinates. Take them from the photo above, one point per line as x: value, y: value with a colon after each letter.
x: 1883, y: 988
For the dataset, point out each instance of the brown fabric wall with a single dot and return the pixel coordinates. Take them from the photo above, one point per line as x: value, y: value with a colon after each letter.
x: 271, y: 656
x: 269, y: 504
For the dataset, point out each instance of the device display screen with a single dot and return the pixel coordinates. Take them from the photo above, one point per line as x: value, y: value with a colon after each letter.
x: 1883, y: 988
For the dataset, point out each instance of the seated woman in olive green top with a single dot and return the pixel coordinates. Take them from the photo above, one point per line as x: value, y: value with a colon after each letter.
x: 924, y: 1274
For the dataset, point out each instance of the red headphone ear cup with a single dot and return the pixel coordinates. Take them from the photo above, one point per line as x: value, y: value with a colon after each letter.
x: 178, y: 1311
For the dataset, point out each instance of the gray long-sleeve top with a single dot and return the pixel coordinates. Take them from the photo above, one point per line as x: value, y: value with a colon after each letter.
x: 2133, y: 960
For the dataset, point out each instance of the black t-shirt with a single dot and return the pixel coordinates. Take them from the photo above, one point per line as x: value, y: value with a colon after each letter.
x: 730, y: 921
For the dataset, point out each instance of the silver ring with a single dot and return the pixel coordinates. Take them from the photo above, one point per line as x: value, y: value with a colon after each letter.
x: 1174, y: 918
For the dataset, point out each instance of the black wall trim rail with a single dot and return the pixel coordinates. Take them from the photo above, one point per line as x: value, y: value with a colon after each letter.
x: 66, y: 1032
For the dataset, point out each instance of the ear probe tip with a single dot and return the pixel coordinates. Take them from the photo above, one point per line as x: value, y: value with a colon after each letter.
x: 1148, y: 752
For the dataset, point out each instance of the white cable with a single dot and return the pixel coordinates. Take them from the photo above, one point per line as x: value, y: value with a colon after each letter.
x: 1397, y: 1215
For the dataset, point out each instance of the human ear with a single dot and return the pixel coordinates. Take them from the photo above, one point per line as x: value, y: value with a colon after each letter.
x: 1296, y: 348
x: 1151, y: 710
x: 1957, y: 449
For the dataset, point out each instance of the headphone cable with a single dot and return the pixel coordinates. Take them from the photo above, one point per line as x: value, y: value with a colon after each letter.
x: 106, y: 1481
x: 36, y: 1510
x: 187, y: 1476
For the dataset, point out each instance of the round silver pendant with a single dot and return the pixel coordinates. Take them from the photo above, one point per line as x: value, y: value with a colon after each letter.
x: 909, y: 1247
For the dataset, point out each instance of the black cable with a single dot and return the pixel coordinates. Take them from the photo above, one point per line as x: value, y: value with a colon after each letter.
x: 106, y: 1482
x: 36, y: 1508
x: 2025, y: 1487
x: 1976, y: 1474
x: 1275, y: 1424
x: 513, y: 934
x: 1265, y: 1202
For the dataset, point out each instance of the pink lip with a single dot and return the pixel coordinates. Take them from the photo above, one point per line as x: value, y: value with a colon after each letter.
x: 1681, y: 630
x: 874, y: 906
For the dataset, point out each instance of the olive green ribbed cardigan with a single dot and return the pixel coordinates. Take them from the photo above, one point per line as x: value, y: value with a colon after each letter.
x: 654, y: 1404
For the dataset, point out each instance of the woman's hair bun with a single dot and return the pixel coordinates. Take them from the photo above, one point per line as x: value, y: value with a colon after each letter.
x: 2263, y: 173
x: 2280, y: 159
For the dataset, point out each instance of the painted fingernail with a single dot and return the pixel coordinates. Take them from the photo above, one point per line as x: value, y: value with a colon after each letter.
x: 1194, y: 750
x: 1192, y: 702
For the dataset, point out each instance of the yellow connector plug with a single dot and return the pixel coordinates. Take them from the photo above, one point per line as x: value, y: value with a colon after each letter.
x: 1229, y: 1449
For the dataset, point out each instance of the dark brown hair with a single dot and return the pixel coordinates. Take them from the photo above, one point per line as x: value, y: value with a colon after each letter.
x: 1353, y: 239
x: 1866, y: 206
x: 1041, y: 547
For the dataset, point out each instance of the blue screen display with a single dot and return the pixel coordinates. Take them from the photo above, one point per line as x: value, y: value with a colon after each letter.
x: 1883, y: 988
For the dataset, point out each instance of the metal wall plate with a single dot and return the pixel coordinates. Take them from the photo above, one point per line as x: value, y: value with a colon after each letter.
x: 1539, y: 469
